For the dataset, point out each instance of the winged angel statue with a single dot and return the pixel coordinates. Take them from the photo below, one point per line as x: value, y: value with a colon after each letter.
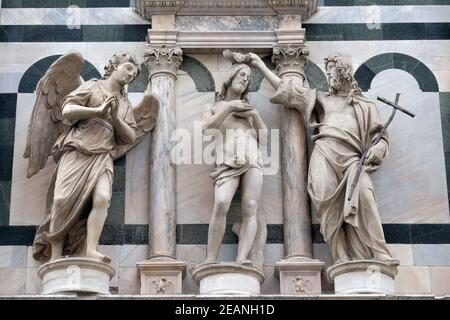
x: 84, y: 126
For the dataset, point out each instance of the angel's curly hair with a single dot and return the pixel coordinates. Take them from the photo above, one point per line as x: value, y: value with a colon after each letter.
x: 117, y: 59
x: 344, y: 66
x: 235, y: 68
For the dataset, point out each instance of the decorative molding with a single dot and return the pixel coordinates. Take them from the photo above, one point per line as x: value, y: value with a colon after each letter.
x: 147, y: 8
x: 225, y: 39
x: 290, y: 60
x: 163, y: 59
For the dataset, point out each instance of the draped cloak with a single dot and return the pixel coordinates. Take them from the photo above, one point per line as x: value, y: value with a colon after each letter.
x: 333, y: 165
x: 83, y: 154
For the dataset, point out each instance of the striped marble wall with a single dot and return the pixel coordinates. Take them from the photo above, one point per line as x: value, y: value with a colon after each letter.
x: 407, y: 49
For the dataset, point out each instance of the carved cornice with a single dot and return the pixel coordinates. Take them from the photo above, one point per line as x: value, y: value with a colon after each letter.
x: 290, y: 60
x: 163, y: 60
x: 220, y: 40
x: 147, y: 8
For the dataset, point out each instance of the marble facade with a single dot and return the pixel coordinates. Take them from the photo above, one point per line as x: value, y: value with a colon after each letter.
x: 416, y: 170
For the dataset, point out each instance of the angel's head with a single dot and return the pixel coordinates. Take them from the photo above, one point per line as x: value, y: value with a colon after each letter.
x: 124, y: 67
x: 238, y: 80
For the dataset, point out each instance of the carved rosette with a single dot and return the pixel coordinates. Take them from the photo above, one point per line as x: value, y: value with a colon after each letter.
x: 290, y: 60
x: 163, y: 60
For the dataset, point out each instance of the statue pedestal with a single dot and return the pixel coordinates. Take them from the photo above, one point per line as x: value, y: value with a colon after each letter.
x: 76, y: 275
x: 363, y: 276
x: 161, y: 276
x: 228, y: 278
x: 299, y: 276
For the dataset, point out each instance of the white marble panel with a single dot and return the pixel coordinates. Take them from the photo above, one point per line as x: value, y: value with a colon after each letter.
x: 402, y: 252
x: 440, y: 280
x: 271, y: 283
x: 34, y: 190
x: 71, y: 16
x: 192, y: 255
x: 441, y: 63
x: 31, y: 263
x: 13, y: 256
x: 322, y: 252
x: 114, y: 253
x: 431, y: 254
x: 195, y: 196
x: 129, y: 282
x: 131, y: 254
x: 33, y: 283
x: 380, y: 14
x: 443, y: 78
x: 99, y: 53
x: 9, y: 82
x: 115, y: 16
x: 137, y: 177
x: 411, y: 185
x: 218, y: 23
x: 273, y: 253
x: 412, y: 280
x: 431, y: 13
x: 23, y: 54
x: 12, y: 281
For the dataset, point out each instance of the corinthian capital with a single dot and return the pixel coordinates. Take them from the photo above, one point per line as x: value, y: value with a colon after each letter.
x: 290, y: 60
x: 163, y: 60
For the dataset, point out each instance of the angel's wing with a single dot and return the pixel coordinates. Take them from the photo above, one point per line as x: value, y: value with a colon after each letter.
x: 145, y: 115
x: 46, y: 125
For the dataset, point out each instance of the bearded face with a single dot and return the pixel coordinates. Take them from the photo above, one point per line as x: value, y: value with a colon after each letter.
x: 241, y: 81
x: 334, y: 76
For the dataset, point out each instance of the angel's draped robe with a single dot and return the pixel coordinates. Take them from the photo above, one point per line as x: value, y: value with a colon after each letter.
x: 355, y: 224
x: 83, y: 153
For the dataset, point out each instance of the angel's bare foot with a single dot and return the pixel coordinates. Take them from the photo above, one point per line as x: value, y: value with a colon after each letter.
x: 98, y: 255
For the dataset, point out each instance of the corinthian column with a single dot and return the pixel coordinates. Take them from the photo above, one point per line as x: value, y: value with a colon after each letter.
x: 298, y: 271
x: 162, y: 269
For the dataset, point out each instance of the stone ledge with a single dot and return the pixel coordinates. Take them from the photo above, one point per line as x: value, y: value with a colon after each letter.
x: 230, y: 298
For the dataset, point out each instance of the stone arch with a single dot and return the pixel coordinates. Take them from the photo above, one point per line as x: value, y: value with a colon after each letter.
x: 202, y: 77
x: 34, y: 73
x: 427, y: 83
x: 369, y: 69
x: 315, y: 76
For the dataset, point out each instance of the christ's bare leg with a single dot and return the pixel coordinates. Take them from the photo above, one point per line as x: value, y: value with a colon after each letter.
x: 251, y: 186
x: 222, y: 199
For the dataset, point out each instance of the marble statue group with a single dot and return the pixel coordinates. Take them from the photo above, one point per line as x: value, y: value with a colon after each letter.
x: 85, y: 126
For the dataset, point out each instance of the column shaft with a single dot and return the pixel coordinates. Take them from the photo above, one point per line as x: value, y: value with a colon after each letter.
x: 163, y: 64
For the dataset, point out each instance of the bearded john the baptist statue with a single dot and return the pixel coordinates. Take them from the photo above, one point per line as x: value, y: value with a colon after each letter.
x: 344, y: 125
